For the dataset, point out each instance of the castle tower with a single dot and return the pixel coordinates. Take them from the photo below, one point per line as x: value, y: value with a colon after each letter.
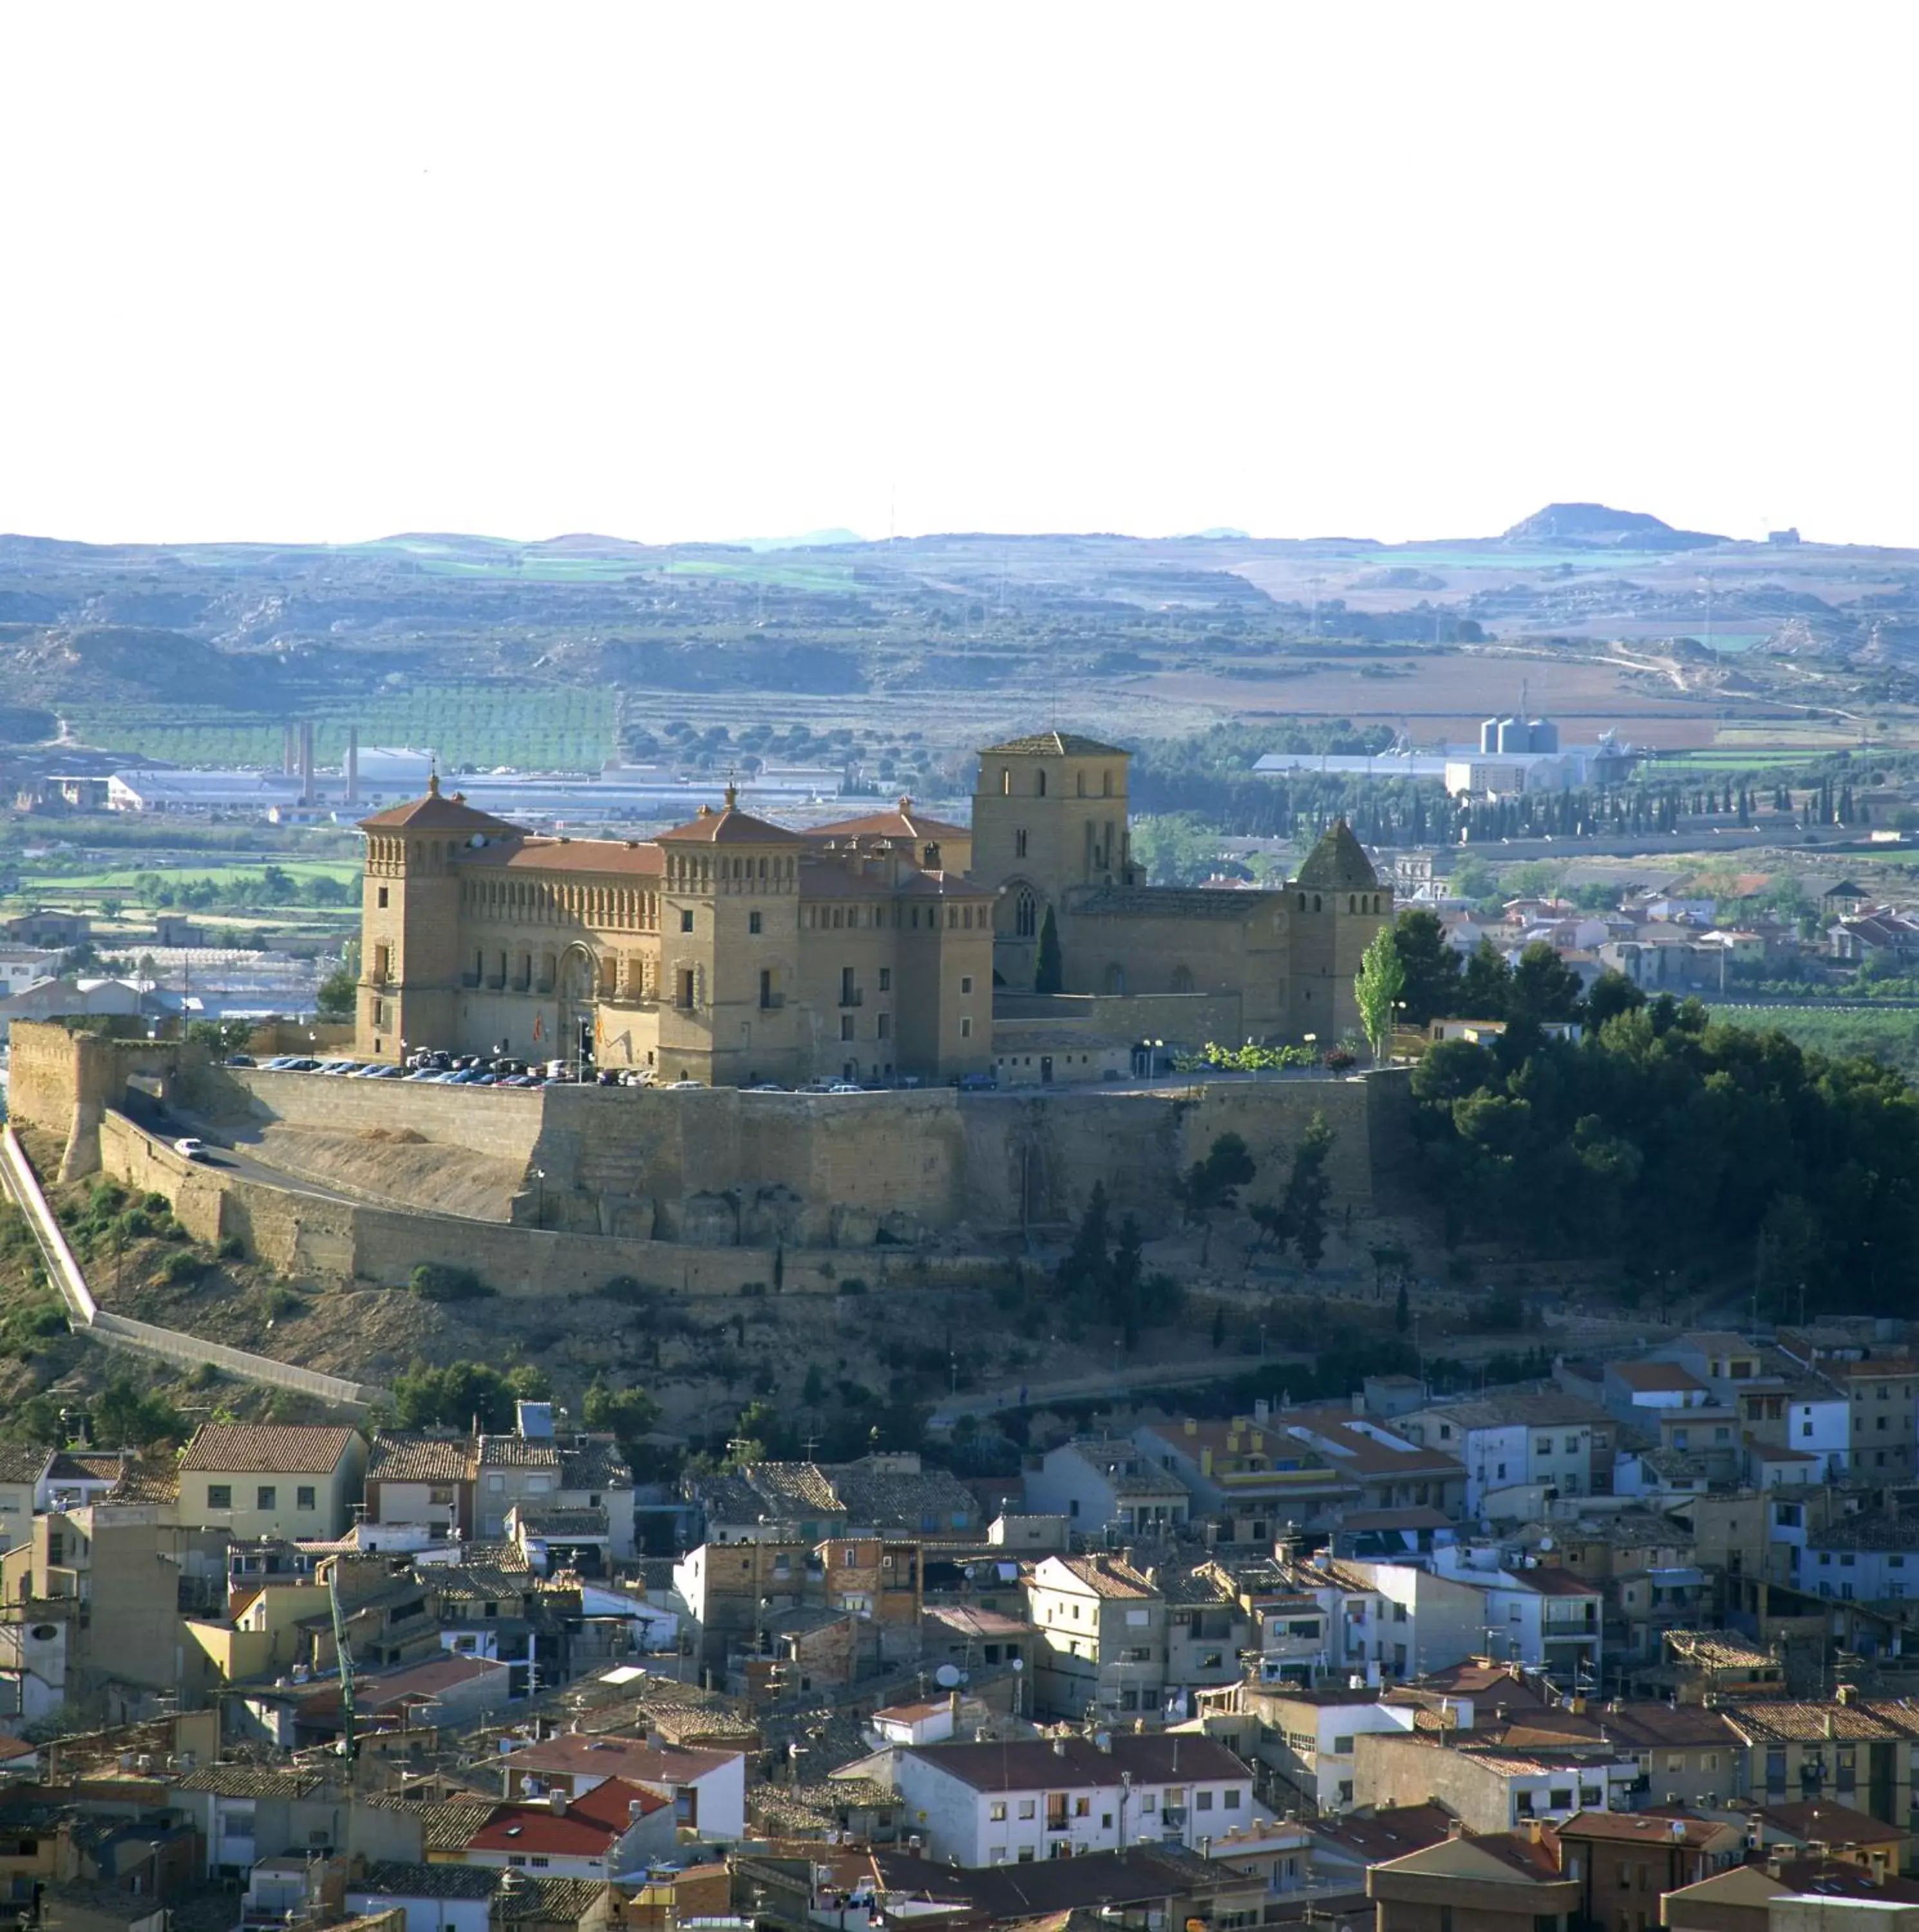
x: 1049, y: 814
x: 1335, y: 906
x: 410, y: 964
x: 730, y: 949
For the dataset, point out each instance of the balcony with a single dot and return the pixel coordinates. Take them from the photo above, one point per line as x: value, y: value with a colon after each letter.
x: 469, y: 980
x: 772, y: 1003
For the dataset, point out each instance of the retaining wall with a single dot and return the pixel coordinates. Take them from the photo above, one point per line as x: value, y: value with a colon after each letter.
x: 85, y: 1316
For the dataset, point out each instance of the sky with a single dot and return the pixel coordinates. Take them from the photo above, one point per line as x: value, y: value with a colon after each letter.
x: 307, y: 273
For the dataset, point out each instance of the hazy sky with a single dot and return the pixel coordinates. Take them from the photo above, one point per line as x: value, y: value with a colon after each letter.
x: 323, y: 272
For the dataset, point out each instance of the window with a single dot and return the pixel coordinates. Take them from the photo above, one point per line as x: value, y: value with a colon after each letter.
x: 268, y: 1496
x: 1231, y: 1799
x: 686, y: 918
x: 305, y: 1497
x: 885, y: 979
x: 884, y: 1030
x: 1026, y: 1807
x: 846, y: 1026
x: 381, y: 900
x: 966, y: 982
x: 965, y: 1029
x: 753, y: 922
x: 1150, y: 1803
x: 996, y: 1811
x: 1019, y: 843
x: 220, y: 1495
x: 1082, y: 1807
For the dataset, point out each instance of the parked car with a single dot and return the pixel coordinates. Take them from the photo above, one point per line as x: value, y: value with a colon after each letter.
x: 977, y: 1083
x: 240, y: 1060
x: 194, y: 1149
x: 683, y: 1086
x: 765, y: 1087
x: 846, y: 1087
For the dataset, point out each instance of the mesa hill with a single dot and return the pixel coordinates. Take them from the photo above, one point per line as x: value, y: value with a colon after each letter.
x: 1604, y: 528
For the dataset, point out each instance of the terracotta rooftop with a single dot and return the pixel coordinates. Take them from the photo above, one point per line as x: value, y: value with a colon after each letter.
x: 1053, y: 745
x: 604, y: 856
x: 729, y: 826
x: 241, y: 1448
x: 588, y: 1826
x: 1106, y: 1577
x: 1657, y: 1378
x: 420, y: 1459
x: 433, y: 813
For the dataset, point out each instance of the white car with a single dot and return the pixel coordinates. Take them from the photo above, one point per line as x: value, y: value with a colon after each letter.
x: 846, y: 1087
x: 193, y: 1148
x: 683, y: 1086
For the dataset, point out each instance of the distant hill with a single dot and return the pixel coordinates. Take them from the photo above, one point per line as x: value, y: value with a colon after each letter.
x: 1604, y: 528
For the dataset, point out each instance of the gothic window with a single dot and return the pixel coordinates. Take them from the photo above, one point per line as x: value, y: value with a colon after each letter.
x: 1019, y: 843
x: 1041, y: 787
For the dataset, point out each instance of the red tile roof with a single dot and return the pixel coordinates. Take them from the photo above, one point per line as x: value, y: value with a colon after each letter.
x: 588, y: 1828
x: 433, y: 813
x: 287, y: 1449
x: 621, y: 856
x: 729, y: 826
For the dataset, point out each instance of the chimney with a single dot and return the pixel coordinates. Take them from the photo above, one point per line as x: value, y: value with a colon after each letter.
x: 1456, y: 1827
x: 307, y: 761
x: 952, y: 1705
x: 288, y: 763
x: 352, y: 764
x: 1847, y: 1693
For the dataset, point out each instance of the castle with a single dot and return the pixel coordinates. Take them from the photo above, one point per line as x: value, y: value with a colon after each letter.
x: 731, y: 950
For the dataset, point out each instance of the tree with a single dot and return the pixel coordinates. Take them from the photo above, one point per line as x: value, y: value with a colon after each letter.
x: 1048, y: 973
x: 111, y: 908
x: 124, y: 1415
x: 1431, y: 965
x: 1210, y: 1185
x: 1377, y: 988
x: 628, y: 1413
x: 1127, y: 1282
x: 1308, y: 1188
x: 1486, y: 987
x: 1612, y: 994
x: 338, y: 993
x: 1543, y: 988
x: 1402, y: 1310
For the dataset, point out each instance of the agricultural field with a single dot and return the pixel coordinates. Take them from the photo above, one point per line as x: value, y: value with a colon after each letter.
x: 1891, y: 1036
x: 475, y: 723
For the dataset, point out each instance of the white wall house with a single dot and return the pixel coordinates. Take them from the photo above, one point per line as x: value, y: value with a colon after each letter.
x: 1018, y: 1803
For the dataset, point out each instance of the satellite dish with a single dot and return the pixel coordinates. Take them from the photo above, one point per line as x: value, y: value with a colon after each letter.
x: 1019, y: 1663
x: 1546, y: 1543
x: 947, y: 1677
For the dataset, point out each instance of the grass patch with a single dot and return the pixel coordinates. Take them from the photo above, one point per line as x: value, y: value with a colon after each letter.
x: 1892, y: 1038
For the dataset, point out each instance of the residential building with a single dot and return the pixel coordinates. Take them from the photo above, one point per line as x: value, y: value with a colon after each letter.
x: 1490, y: 1787
x: 1856, y: 1751
x: 1879, y: 1392
x: 1488, y: 1881
x: 1100, y: 1485
x: 708, y: 1787
x: 612, y: 1829
x: 1520, y: 1439
x: 271, y: 1480
x: 551, y: 1479
x: 1624, y: 1865
x: 1017, y: 1802
x: 1105, y: 1628
x: 427, y: 1480
x: 1872, y: 1556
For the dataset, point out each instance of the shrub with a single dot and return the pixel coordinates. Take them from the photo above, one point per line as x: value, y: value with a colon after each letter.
x: 181, y: 1267
x: 156, y: 1204
x: 232, y: 1249
x: 1341, y: 1060
x: 628, y: 1290
x: 134, y: 1224
x: 276, y: 1304
x: 437, y: 1281
x: 853, y: 1285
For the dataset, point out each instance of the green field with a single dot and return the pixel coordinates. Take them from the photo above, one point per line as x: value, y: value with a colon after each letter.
x: 1892, y: 1036
x: 534, y: 727
x: 122, y: 878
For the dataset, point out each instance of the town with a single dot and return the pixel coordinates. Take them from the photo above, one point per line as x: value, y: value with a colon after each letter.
x: 1630, y: 1637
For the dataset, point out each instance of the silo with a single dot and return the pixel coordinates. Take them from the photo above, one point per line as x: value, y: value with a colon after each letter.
x: 1512, y: 736
x: 1488, y: 737
x: 1542, y: 735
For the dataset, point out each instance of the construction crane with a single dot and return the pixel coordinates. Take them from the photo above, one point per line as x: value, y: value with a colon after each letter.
x: 343, y: 1657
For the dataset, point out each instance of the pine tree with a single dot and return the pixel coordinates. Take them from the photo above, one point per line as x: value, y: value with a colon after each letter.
x: 1048, y: 973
